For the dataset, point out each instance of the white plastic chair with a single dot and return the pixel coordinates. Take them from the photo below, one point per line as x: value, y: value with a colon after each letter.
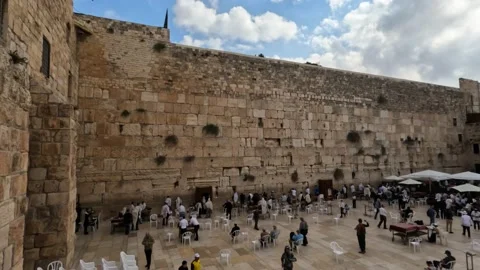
x: 249, y: 219
x: 265, y: 240
x: 245, y: 235
x: 290, y: 218
x: 337, y: 250
x: 171, y: 220
x: 225, y: 256
x: 187, y: 236
x: 415, y: 242
x: 208, y: 224
x: 274, y: 215
x: 226, y: 225
x: 394, y: 217
x: 316, y: 218
x: 127, y: 260
x: 169, y: 235
x: 450, y: 266
x: 109, y: 265
x: 235, y: 236
x: 87, y: 265
x: 55, y: 265
x: 154, y: 219
x: 255, y: 243
x: 308, y: 209
x: 475, y: 243
x: 336, y: 219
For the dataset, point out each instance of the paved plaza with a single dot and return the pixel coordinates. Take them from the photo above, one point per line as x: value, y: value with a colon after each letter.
x: 382, y: 253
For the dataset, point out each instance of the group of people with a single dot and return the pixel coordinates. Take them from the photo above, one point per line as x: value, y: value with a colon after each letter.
x: 132, y: 216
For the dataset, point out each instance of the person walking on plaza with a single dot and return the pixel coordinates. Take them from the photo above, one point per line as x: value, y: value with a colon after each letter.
x: 256, y: 217
x: 377, y: 205
x: 196, y: 226
x: 361, y: 232
x: 341, y: 204
x: 127, y: 221
x: 467, y: 222
x: 304, y: 230
x: 196, y: 263
x: 449, y: 219
x: 135, y: 218
x: 148, y: 244
x: 383, y: 217
x: 165, y: 214
x: 288, y: 259
x: 228, y: 206
x: 431, y: 213
x: 184, y: 266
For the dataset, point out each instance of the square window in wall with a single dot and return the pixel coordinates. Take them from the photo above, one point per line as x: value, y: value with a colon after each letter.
x: 476, y: 148
x: 460, y: 138
x: 454, y: 122
x: 45, y: 69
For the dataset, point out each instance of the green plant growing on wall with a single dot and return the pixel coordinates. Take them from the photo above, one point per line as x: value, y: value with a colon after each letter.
x: 368, y: 132
x: 381, y: 99
x: 248, y: 177
x: 338, y: 174
x: 441, y: 157
x: 211, y: 129
x: 140, y: 110
x: 294, y: 176
x: 171, y: 140
x: 17, y: 59
x: 261, y: 55
x: 160, y: 160
x: 159, y: 46
x: 125, y: 114
x: 110, y: 30
x: 353, y: 137
x: 409, y: 141
x: 188, y: 159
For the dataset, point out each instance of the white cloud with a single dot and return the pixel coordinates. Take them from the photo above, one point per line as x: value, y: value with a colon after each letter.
x: 212, y: 43
x: 213, y: 3
x: 434, y: 41
x: 111, y: 14
x: 237, y: 24
x: 336, y: 4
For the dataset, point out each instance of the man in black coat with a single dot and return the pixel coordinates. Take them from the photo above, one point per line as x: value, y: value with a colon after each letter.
x: 256, y: 217
x: 228, y: 207
x: 127, y: 221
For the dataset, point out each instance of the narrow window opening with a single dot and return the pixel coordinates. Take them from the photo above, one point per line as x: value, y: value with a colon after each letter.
x: 45, y: 69
x: 454, y: 122
x: 460, y: 138
x: 68, y: 34
x: 476, y: 148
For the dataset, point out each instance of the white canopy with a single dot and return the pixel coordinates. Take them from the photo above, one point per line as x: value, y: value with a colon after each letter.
x: 428, y: 175
x: 410, y: 182
x: 467, y: 188
x: 393, y: 178
x: 466, y: 176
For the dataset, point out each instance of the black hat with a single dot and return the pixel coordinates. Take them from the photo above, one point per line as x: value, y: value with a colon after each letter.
x: 447, y: 252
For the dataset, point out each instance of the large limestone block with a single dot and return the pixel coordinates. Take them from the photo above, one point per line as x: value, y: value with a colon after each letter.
x: 149, y: 96
x: 132, y: 129
x: 231, y: 172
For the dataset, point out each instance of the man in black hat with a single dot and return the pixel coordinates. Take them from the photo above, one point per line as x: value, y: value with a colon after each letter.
x: 446, y: 262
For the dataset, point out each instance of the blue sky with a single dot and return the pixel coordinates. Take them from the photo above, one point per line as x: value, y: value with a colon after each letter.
x: 385, y: 37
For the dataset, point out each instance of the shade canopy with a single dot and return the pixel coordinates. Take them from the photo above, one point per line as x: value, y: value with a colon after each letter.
x: 466, y: 176
x: 427, y: 175
x: 393, y: 178
x: 467, y: 188
x: 410, y: 182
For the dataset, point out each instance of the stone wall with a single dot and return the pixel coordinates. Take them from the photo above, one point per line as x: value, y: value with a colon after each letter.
x: 275, y: 118
x: 49, y: 230
x: 15, y: 102
x: 472, y: 127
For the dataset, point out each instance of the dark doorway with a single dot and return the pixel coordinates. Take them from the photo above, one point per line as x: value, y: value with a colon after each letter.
x: 324, y: 185
x: 477, y: 168
x: 201, y: 191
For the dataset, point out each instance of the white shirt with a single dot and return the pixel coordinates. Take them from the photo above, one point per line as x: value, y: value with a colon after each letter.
x: 181, y: 209
x: 360, y: 187
x: 341, y: 204
x: 194, y: 221
x: 209, y: 205
x: 307, y: 191
x: 476, y: 215
x: 165, y: 210
x: 294, y: 192
x: 448, y: 203
x: 352, y: 188
x: 307, y: 198
x: 467, y: 220
x: 168, y: 201
x: 235, y: 197
x: 438, y: 197
x: 383, y: 212
x: 183, y: 224
x: 143, y: 205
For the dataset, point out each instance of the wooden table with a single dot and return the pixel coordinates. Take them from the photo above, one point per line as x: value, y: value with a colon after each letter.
x: 405, y: 231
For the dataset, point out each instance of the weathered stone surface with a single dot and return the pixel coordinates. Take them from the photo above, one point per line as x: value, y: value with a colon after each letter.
x: 37, y: 174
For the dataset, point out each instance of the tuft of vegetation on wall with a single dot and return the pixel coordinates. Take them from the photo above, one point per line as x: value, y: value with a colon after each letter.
x: 171, y: 140
x: 160, y: 160
x: 188, y: 159
x: 353, y: 137
x: 211, y: 129
x: 125, y: 113
x: 338, y: 174
x: 159, y: 46
x: 294, y: 176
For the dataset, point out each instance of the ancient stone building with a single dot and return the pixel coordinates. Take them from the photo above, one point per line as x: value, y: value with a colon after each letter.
x: 141, y: 126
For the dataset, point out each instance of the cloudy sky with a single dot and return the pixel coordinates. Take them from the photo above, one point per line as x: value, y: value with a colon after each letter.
x: 434, y: 41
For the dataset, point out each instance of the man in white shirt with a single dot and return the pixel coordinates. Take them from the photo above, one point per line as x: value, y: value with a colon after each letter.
x: 341, y: 205
x: 352, y: 189
x: 307, y: 190
x: 182, y: 211
x: 294, y: 192
x: 168, y: 200
x: 209, y: 207
x: 448, y: 203
x: 165, y: 214
x: 467, y: 222
x: 360, y: 187
x: 235, y: 198
x: 196, y: 225
x: 182, y: 226
x: 383, y: 217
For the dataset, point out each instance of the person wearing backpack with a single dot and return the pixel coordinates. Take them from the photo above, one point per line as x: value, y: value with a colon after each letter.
x: 288, y: 259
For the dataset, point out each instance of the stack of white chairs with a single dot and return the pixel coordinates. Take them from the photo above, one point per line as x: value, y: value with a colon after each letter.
x: 109, y: 265
x: 128, y: 261
x: 87, y: 265
x: 55, y: 265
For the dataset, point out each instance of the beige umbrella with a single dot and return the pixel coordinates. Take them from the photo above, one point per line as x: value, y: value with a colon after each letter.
x: 393, y: 178
x: 467, y: 188
x: 410, y: 182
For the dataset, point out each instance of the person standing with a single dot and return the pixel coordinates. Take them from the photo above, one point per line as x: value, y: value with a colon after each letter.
x: 377, y: 205
x: 168, y: 200
x: 165, y: 214
x: 228, y: 206
x: 383, y: 217
x: 196, y: 263
x: 449, y: 219
x: 476, y: 219
x: 196, y: 225
x: 361, y: 232
x: 304, y: 230
x: 288, y: 259
x: 466, y: 223
x: 182, y: 212
x: 182, y: 227
x: 256, y: 217
x: 341, y: 204
x: 431, y: 214
x: 127, y: 221
x: 183, y: 266
x: 354, y: 201
x: 135, y: 218
x: 148, y: 244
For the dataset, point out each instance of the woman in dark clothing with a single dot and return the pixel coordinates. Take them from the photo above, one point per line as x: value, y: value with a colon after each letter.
x: 288, y: 259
